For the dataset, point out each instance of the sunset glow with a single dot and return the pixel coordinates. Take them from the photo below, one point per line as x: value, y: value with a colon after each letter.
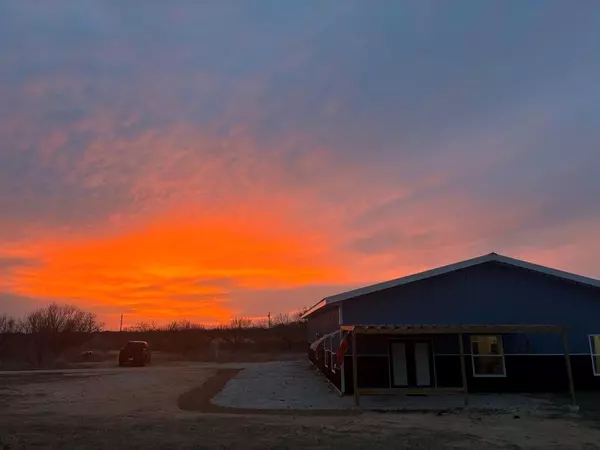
x: 153, y: 166
x: 175, y: 268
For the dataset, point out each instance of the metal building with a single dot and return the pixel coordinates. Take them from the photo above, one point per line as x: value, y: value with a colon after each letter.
x: 488, y: 324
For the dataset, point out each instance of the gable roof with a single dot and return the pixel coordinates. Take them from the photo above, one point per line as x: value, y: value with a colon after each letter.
x: 492, y: 257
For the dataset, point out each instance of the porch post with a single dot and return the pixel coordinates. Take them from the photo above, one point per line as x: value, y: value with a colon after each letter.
x: 355, y: 369
x: 463, y: 370
x: 563, y: 334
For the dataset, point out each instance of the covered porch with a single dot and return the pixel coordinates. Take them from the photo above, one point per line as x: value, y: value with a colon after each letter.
x: 411, y: 358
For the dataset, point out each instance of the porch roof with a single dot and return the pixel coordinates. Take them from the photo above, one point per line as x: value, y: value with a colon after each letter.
x: 452, y: 329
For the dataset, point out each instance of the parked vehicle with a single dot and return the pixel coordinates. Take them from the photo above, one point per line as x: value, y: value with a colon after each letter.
x: 136, y: 353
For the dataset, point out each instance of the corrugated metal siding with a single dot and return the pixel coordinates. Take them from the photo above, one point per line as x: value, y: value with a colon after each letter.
x: 322, y: 322
x: 490, y: 293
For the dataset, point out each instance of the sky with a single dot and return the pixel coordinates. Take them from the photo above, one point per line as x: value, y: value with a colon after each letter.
x: 209, y: 160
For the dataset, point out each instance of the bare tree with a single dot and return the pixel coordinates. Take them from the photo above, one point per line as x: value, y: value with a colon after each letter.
x: 261, y: 323
x: 235, y: 333
x: 56, y: 318
x: 289, y: 327
x: 289, y: 318
x: 143, y: 327
x: 297, y: 316
x: 282, y: 319
x: 9, y: 324
x: 240, y: 323
x: 182, y: 325
x: 56, y: 327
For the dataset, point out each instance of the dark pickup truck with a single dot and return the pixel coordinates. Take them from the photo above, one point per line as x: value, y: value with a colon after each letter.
x: 136, y: 353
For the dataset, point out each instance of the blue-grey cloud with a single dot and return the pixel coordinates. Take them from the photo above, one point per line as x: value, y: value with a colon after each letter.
x: 10, y: 262
x: 18, y: 305
x: 418, y: 126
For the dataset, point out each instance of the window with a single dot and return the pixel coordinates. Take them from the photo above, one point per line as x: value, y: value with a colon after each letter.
x: 329, y: 352
x: 333, y: 345
x: 595, y: 352
x: 487, y: 356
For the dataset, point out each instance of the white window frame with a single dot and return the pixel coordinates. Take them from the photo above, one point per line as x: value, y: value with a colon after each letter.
x: 473, y: 338
x: 594, y: 352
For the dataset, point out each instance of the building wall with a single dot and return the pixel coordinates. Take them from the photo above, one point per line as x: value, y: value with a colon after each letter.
x: 322, y: 322
x: 490, y: 293
x: 326, y: 366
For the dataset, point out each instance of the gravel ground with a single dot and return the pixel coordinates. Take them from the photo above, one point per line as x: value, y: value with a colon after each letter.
x: 155, y: 408
x: 280, y: 385
x: 297, y: 385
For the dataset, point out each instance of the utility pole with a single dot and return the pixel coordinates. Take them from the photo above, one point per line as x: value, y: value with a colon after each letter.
x: 121, y: 326
x: 269, y: 316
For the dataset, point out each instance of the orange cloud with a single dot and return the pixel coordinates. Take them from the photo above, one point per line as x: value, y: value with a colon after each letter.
x: 203, y: 224
x: 183, y: 265
x: 194, y: 264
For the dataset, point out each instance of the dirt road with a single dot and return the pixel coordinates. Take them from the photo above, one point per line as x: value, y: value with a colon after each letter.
x: 139, y: 408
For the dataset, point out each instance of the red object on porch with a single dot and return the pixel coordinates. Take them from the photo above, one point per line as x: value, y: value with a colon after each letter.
x: 344, y: 344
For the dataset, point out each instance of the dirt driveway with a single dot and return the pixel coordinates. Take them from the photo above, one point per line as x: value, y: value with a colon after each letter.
x: 116, y: 392
x: 140, y: 408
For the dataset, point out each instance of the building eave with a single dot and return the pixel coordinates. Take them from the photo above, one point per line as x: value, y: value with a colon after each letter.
x: 317, y: 306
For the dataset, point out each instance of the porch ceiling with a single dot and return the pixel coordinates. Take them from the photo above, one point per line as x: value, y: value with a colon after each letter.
x: 451, y: 329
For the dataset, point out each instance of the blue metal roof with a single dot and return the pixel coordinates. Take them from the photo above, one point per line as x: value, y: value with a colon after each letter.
x: 492, y: 257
